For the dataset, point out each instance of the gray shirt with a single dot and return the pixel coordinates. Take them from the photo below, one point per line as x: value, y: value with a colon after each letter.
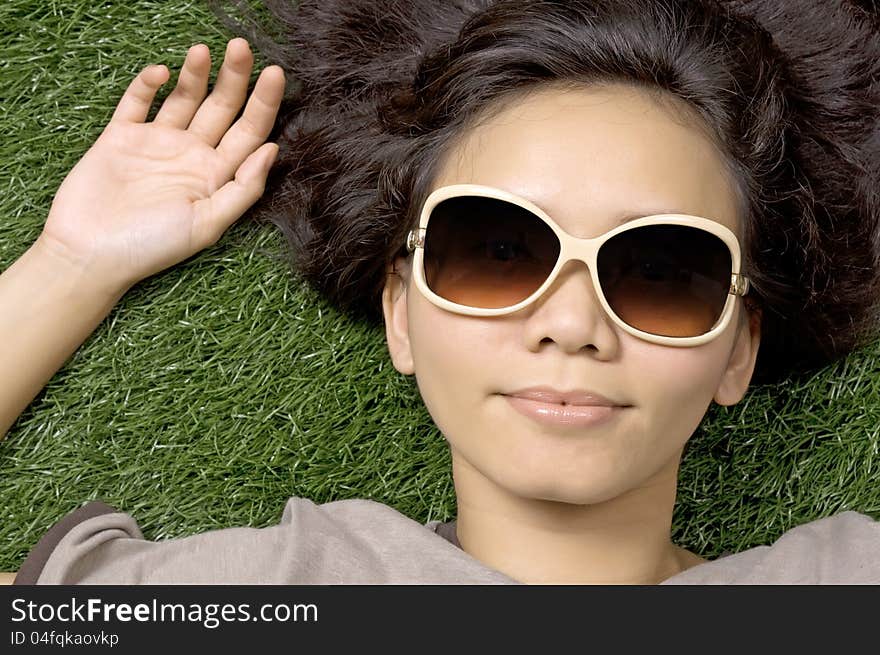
x: 365, y: 542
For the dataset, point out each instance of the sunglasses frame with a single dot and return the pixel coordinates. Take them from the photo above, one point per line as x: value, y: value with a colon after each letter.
x: 574, y: 248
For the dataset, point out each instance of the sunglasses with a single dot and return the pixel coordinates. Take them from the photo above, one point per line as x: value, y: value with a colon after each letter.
x: 670, y: 279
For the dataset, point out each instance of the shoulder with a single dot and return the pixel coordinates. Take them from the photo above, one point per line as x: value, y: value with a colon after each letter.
x: 349, y: 541
x: 352, y: 511
x: 839, y: 549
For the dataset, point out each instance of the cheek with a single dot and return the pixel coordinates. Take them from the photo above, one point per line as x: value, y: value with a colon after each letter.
x: 676, y: 385
x: 674, y: 373
x: 456, y: 358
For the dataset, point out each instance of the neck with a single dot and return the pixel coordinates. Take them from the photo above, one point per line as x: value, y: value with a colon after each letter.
x: 625, y: 540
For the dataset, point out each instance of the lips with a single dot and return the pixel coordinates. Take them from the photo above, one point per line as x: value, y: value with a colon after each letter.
x: 577, y: 397
x: 579, y: 409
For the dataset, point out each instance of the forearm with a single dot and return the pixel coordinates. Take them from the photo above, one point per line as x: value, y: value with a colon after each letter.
x: 47, y: 309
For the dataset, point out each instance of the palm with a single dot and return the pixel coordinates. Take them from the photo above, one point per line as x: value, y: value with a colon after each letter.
x: 149, y: 195
x: 142, y: 181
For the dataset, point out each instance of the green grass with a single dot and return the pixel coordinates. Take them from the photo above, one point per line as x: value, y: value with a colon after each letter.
x: 221, y: 387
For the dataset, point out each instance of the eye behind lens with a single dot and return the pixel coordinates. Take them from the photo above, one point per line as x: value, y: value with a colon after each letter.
x: 668, y: 280
x: 487, y: 253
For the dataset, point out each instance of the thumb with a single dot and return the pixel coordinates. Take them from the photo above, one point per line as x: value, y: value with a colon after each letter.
x: 229, y: 202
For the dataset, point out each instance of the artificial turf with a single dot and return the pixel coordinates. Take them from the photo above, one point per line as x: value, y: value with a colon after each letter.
x: 217, y: 389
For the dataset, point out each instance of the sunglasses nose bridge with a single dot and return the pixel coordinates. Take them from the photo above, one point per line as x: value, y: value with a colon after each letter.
x: 577, y: 249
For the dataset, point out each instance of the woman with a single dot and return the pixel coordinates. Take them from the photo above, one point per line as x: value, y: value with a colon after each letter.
x: 581, y: 223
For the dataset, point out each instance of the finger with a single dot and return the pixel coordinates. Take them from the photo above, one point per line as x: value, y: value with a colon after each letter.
x: 216, y: 213
x: 255, y: 123
x: 217, y: 112
x: 192, y: 85
x: 138, y: 97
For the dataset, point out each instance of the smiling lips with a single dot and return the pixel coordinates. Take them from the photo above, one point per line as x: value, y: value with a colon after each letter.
x: 574, y: 408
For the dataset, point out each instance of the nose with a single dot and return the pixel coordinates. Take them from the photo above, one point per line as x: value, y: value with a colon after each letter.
x: 570, y: 315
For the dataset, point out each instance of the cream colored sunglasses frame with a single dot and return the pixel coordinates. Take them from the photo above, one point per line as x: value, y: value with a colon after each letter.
x: 585, y: 250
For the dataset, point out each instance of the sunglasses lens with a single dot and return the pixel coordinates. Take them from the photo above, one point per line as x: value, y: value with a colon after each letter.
x: 669, y: 280
x: 487, y: 253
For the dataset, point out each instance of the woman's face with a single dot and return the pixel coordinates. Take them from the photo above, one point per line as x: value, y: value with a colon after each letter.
x: 587, y: 158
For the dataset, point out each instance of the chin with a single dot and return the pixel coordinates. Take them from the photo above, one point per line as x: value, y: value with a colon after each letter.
x: 584, y: 490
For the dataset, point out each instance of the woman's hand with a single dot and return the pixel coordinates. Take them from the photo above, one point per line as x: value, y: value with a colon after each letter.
x: 147, y: 196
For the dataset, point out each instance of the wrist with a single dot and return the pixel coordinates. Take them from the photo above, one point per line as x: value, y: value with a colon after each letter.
x: 85, y: 272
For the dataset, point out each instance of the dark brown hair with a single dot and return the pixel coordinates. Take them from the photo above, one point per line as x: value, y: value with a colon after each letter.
x: 378, y: 90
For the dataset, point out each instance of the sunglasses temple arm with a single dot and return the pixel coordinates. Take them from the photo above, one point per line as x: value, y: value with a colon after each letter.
x: 739, y: 284
x: 415, y: 239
